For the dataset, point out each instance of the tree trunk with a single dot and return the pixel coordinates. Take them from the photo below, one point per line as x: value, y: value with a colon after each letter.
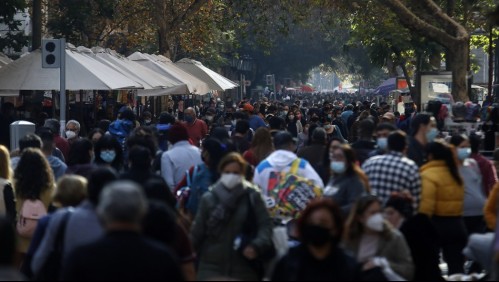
x: 459, y: 58
x: 36, y: 34
x: 163, y: 42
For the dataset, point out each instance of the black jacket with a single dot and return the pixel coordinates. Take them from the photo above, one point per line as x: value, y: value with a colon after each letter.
x: 122, y: 256
x: 300, y: 265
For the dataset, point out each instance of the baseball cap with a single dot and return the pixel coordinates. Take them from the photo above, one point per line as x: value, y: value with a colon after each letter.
x: 248, y: 107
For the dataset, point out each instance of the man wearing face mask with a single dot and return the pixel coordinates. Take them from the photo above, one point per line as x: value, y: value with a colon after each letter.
x: 382, y: 132
x: 319, y: 257
x: 196, y: 128
x: 423, y: 131
x: 393, y: 172
x: 72, y: 131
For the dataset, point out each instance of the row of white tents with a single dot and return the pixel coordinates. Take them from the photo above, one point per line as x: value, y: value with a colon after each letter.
x: 104, y: 69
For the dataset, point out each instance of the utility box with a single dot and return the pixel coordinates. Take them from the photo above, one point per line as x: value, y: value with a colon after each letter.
x: 18, y: 130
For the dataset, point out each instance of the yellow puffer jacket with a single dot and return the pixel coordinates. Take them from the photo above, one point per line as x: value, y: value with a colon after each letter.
x: 442, y: 195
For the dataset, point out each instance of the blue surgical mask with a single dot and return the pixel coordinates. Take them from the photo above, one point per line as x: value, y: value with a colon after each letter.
x: 108, y: 156
x: 189, y: 119
x: 338, y: 167
x: 382, y: 143
x: 432, y: 135
x: 463, y: 153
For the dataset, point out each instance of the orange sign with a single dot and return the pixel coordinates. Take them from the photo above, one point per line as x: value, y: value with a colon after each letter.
x: 402, y: 83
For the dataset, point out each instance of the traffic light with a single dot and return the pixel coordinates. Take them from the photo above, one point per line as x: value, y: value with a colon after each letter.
x: 269, y: 79
x: 51, y: 53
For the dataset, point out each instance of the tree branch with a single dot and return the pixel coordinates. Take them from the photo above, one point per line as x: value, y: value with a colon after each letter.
x: 445, y: 19
x: 192, y: 9
x: 413, y: 22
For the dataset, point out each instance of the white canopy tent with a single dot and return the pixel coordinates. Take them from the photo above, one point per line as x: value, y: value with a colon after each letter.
x: 4, y: 60
x: 214, y: 80
x: 140, y: 74
x: 167, y: 68
x: 82, y: 73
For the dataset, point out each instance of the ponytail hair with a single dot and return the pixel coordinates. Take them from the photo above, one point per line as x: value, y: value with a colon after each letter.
x: 443, y: 152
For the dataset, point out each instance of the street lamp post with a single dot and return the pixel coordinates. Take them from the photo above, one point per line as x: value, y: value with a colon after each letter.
x: 491, y: 61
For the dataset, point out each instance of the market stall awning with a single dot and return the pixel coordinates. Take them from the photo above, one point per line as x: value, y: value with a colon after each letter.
x: 82, y: 73
x: 167, y: 68
x: 4, y: 60
x: 140, y: 74
x: 214, y: 80
x: 387, y: 86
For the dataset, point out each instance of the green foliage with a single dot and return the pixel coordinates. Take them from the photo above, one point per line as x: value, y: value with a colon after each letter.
x: 14, y: 38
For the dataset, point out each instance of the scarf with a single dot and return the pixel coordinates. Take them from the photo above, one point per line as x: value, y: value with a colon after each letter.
x: 228, y: 201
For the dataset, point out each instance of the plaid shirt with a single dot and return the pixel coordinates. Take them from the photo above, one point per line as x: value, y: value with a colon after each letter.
x: 391, y: 173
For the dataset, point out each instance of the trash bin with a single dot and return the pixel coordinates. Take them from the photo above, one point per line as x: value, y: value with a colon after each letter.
x: 18, y: 130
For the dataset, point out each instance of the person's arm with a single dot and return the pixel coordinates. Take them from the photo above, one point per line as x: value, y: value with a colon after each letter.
x: 204, y: 130
x: 490, y: 209
x: 415, y: 187
x: 489, y: 177
x: 400, y: 259
x: 428, y: 196
x: 167, y: 171
x: 198, y: 231
x: 263, y: 240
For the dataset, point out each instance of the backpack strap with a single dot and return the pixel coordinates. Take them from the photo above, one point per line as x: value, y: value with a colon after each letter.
x: 295, y: 166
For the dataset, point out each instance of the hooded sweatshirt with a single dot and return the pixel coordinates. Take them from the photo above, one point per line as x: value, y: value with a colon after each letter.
x: 281, y: 161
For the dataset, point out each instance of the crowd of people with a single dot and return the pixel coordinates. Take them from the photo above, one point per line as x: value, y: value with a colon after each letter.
x: 200, y: 198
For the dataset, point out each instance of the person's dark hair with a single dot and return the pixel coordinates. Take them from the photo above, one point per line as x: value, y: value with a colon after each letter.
x: 104, y: 124
x: 99, y: 178
x: 386, y: 126
x: 160, y: 223
x: 319, y: 204
x: 319, y: 136
x: 33, y: 175
x: 442, y: 152
x: 366, y: 129
x: 241, y: 115
x: 475, y: 142
x: 402, y: 204
x: 128, y: 114
x: 311, y: 130
x: 177, y: 133
x: 95, y: 131
x: 217, y: 152
x: 157, y: 189
x: 166, y: 118
x: 418, y: 121
x: 242, y: 127
x: 7, y: 242
x: 109, y: 142
x: 140, y: 158
x: 80, y: 152
x: 143, y: 136
x: 457, y: 139
x: 276, y: 123
x: 397, y: 141
x: 220, y: 133
x: 30, y: 141
x: 54, y: 125
x: 350, y: 157
x: 47, y: 138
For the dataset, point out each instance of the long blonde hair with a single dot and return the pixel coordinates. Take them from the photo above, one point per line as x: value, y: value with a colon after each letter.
x: 5, y: 170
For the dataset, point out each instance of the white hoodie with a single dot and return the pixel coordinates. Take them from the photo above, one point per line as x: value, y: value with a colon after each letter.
x: 281, y: 161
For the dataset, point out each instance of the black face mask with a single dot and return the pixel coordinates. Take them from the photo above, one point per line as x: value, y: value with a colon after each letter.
x: 317, y: 236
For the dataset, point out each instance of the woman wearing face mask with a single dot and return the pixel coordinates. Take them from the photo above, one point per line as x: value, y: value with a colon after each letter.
x: 318, y: 258
x: 108, y: 152
x: 474, y: 199
x: 348, y: 182
x: 294, y: 125
x: 382, y: 250
x: 442, y: 199
x: 225, y: 212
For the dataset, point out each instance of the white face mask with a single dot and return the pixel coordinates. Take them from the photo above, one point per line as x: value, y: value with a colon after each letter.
x: 230, y: 180
x: 70, y: 134
x: 375, y: 222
